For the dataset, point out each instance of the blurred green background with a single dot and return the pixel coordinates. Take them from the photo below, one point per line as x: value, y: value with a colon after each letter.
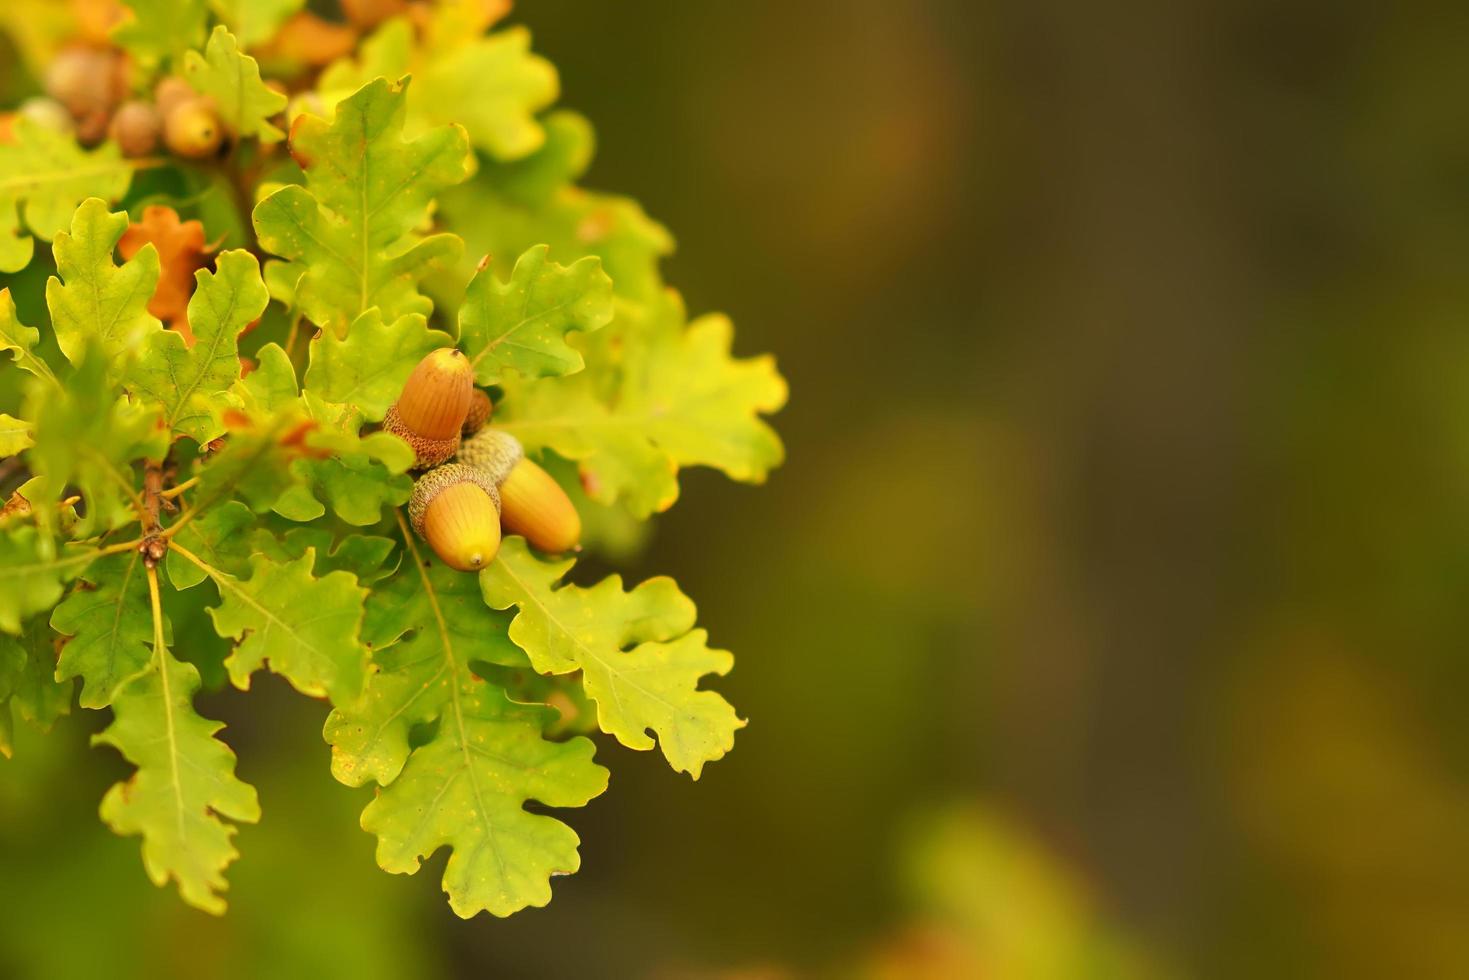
x: 1108, y: 618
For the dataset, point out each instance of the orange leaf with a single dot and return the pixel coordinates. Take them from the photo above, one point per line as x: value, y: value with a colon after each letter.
x: 181, y: 252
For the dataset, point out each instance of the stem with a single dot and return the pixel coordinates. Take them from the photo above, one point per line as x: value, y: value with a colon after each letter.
x: 185, y: 553
x: 180, y: 488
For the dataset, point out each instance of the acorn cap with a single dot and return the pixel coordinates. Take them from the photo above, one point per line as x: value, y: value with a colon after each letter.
x: 427, y: 452
x: 436, y: 396
x: 480, y: 410
x: 494, y: 451
x: 457, y: 511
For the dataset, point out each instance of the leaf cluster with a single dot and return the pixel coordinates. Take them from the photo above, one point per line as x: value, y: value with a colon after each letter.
x: 187, y: 423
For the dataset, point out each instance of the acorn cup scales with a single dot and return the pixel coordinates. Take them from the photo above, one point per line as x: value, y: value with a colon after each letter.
x: 429, y: 414
x: 456, y: 509
x: 532, y: 503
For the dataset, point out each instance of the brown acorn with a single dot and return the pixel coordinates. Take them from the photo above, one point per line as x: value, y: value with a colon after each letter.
x: 532, y: 504
x: 192, y: 129
x: 456, y: 509
x: 480, y: 410
x: 172, y: 92
x: 136, y: 127
x: 429, y: 414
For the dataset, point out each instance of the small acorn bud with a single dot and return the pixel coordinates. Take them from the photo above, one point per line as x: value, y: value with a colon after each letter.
x: 532, y: 503
x: 456, y: 509
x: 480, y: 410
x: 429, y: 414
x: 192, y: 129
x: 136, y: 128
x: 172, y: 92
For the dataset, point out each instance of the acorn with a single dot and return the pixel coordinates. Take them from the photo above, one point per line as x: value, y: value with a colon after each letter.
x: 136, y: 127
x: 532, y: 503
x: 429, y: 414
x: 172, y: 92
x: 88, y: 81
x: 456, y: 509
x: 47, y: 113
x: 480, y: 410
x: 192, y: 129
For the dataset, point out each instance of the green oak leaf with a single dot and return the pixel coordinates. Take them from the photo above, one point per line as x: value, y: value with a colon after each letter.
x: 368, y: 367
x: 110, y: 628
x: 48, y: 174
x: 159, y: 29
x: 192, y: 384
x: 255, y: 21
x: 305, y: 628
x: 509, y: 207
x: 28, y: 681
x: 220, y: 535
x: 88, y: 437
x: 32, y: 576
x: 651, y: 685
x: 365, y: 556
x: 94, y: 299
x: 355, y: 475
x: 467, y: 785
x: 521, y: 325
x: 232, y: 79
x: 424, y: 627
x: 467, y: 791
x: 510, y: 85
x: 271, y: 386
x: 20, y: 340
x: 15, y: 435
x: 184, y: 784
x: 674, y: 398
x: 349, y: 235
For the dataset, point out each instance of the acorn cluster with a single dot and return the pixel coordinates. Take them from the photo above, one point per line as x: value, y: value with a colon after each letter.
x: 461, y: 507
x: 89, y: 93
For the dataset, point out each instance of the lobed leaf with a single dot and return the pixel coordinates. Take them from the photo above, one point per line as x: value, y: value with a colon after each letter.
x: 28, y: 688
x: 45, y: 175
x: 191, y: 384
x: 32, y: 576
x: 368, y: 367
x: 306, y: 629
x: 20, y: 341
x: 425, y: 627
x: 110, y: 628
x: 348, y: 235
x: 232, y: 79
x: 95, y: 300
x: 468, y: 792
x: 87, y: 436
x: 15, y: 435
x: 185, y: 782
x: 521, y: 325
x: 510, y: 85
x: 466, y: 787
x: 675, y: 398
x: 640, y: 659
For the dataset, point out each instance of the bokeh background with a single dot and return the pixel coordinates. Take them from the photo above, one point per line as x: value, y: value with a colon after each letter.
x: 1108, y: 618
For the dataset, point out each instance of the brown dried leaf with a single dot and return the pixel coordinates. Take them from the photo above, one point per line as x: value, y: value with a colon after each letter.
x: 181, y: 252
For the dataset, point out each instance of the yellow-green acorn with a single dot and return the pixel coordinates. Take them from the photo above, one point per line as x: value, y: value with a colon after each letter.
x: 456, y: 509
x: 192, y: 129
x: 429, y: 414
x: 532, y: 504
x: 480, y: 409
